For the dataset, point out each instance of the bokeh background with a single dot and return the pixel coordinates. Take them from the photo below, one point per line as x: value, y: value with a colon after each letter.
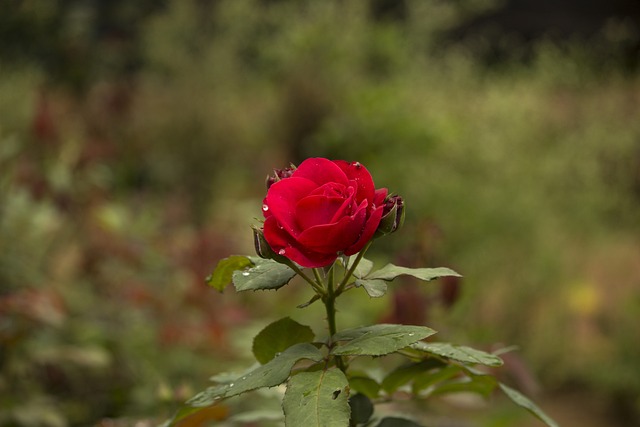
x: 134, y: 142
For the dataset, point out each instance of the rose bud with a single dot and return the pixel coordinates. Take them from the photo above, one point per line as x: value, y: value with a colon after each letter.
x: 323, y: 209
x: 279, y: 174
x: 392, y: 216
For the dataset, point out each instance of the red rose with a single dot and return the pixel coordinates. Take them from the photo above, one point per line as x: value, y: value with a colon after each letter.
x: 321, y: 210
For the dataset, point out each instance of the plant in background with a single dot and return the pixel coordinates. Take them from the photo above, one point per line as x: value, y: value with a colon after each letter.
x: 320, y: 219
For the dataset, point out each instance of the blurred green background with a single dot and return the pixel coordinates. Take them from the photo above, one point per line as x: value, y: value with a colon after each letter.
x: 134, y: 142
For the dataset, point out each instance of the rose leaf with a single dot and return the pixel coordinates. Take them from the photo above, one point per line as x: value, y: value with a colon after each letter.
x: 390, y: 272
x: 278, y: 336
x: 265, y: 274
x: 375, y: 288
x: 458, y: 353
x: 378, y: 340
x: 223, y: 272
x: 318, y: 398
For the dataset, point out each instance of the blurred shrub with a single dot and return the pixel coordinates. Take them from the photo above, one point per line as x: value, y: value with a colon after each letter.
x: 116, y: 203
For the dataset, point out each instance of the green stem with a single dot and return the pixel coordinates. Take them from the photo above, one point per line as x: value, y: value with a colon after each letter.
x: 347, y: 276
x: 330, y: 305
x: 317, y: 286
x: 316, y: 273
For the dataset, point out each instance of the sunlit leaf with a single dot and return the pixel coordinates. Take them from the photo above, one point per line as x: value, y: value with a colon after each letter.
x: 375, y: 288
x: 459, y: 353
x: 265, y: 274
x: 380, y: 339
x: 390, y: 272
x: 223, y: 272
x: 317, y: 399
x: 278, y: 336
x: 521, y: 400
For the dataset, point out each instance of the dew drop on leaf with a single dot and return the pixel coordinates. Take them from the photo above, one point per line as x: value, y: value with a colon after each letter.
x: 245, y: 273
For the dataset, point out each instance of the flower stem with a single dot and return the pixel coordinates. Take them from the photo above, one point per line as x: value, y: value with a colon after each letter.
x: 317, y: 286
x: 330, y: 306
x: 316, y: 273
x: 349, y: 273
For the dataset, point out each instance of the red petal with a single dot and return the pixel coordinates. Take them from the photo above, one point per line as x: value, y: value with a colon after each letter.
x: 309, y: 259
x: 284, y: 244
x: 369, y: 229
x: 336, y: 237
x: 282, y: 198
x: 321, y: 171
x: 381, y: 194
x: 317, y: 210
x: 358, y: 173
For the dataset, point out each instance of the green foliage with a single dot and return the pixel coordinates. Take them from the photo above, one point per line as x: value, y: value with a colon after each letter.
x: 459, y: 353
x: 272, y: 373
x: 523, y: 176
x: 378, y: 340
x: 265, y: 274
x: 223, y: 272
x: 319, y: 394
x: 390, y: 272
x: 279, y: 336
x: 361, y: 407
x: 523, y: 401
x: 318, y: 399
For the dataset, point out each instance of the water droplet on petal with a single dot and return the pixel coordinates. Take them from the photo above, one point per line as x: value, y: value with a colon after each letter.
x: 245, y: 273
x: 281, y: 252
x: 265, y: 207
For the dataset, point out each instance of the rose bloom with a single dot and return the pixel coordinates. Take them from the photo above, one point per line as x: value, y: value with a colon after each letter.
x: 322, y: 209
